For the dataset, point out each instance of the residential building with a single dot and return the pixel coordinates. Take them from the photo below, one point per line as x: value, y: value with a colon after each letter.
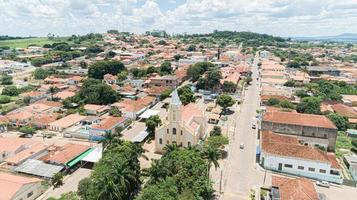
x: 292, y: 189
x: 66, y: 155
x: 309, y: 129
x: 14, y: 187
x: 317, y: 71
x: 133, y: 108
x: 163, y: 81
x: 110, y: 79
x: 93, y: 109
x: 108, y: 125
x: 184, y: 125
x: 286, y: 154
x: 65, y: 122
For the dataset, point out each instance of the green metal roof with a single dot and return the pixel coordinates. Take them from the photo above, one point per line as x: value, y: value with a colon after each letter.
x: 79, y: 158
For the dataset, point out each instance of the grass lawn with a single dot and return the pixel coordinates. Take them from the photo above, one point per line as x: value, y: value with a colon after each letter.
x: 24, y: 43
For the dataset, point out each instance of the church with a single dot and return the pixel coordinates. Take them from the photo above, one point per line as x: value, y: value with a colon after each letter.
x: 184, y: 125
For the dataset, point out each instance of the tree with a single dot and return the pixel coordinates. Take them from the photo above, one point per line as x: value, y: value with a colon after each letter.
x: 57, y: 180
x: 162, y: 42
x: 10, y: 91
x: 290, y: 83
x: 165, y: 94
x: 229, y: 86
x: 165, y: 68
x: 194, y: 72
x: 4, y: 99
x: 40, y: 74
x: 101, y: 68
x: 6, y: 79
x: 340, y: 122
x: 213, y: 78
x: 116, y: 175
x: 191, y: 48
x: 151, y: 70
x: 225, y: 101
x: 216, y: 131
x: 27, y: 130
x: 248, y: 79
x: 286, y: 104
x: 212, y: 155
x: 309, y: 105
x: 186, y: 95
x: 95, y: 92
x: 354, y: 143
x: 122, y: 76
x: 217, y: 141
x: 111, y: 54
x: 177, y: 57
x: 115, y: 112
x: 329, y: 91
x: 301, y: 93
x: 151, y: 123
x: 163, y: 190
x: 273, y: 101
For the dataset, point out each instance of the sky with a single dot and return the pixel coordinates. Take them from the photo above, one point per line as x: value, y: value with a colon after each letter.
x: 287, y: 18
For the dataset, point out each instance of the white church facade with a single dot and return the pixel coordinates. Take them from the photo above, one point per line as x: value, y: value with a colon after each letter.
x: 184, y: 125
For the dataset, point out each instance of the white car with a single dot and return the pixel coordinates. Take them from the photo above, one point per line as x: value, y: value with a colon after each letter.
x: 241, y: 146
x: 254, y: 126
x: 323, y: 184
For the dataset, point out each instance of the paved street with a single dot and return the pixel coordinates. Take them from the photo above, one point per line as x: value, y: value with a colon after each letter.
x: 240, y: 174
x: 70, y: 184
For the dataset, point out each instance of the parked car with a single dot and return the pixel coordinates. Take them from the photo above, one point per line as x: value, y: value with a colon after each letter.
x: 254, y: 126
x: 323, y: 184
x: 241, y: 146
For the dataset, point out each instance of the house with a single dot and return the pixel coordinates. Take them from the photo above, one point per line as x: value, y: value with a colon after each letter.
x: 286, y: 154
x: 185, y: 125
x: 349, y: 100
x: 317, y: 71
x: 11, y: 146
x: 43, y: 121
x: 93, y: 109
x: 110, y: 79
x: 19, y: 118
x: 344, y: 110
x: 308, y: 128
x: 108, y: 125
x: 65, y: 122
x: 34, y: 151
x: 34, y: 95
x: 64, y: 94
x: 351, y: 164
x: 133, y: 108
x: 163, y: 81
x: 14, y: 187
x: 138, y: 84
x: 66, y: 155
x: 292, y: 189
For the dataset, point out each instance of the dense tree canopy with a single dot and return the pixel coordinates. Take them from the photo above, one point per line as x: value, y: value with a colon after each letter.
x: 186, y: 95
x: 309, y: 105
x: 115, y: 176
x: 40, y: 74
x: 100, y: 68
x: 194, y: 72
x: 225, y: 101
x: 165, y: 68
x: 96, y: 92
x: 340, y: 122
x: 10, y: 91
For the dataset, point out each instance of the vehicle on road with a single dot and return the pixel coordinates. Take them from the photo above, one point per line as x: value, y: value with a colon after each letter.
x: 323, y: 184
x: 254, y: 126
x: 241, y: 146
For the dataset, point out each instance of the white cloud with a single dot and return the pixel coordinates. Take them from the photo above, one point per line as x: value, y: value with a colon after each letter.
x: 279, y: 17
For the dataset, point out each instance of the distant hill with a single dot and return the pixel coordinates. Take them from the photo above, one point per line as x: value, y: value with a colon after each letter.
x: 345, y: 37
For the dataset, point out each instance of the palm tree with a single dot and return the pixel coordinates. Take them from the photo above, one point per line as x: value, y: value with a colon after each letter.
x: 212, y: 155
x: 304, y: 70
x: 169, y: 148
x: 156, y: 172
x: 125, y: 177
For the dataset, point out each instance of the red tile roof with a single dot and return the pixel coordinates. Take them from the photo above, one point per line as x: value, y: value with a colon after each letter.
x: 109, y: 123
x: 289, y: 146
x: 299, y: 119
x: 344, y: 110
x: 66, y: 153
x: 293, y: 189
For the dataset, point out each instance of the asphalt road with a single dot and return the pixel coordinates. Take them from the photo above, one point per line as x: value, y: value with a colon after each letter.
x: 241, y: 173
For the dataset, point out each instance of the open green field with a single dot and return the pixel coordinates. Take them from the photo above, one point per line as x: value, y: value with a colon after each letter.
x: 24, y: 43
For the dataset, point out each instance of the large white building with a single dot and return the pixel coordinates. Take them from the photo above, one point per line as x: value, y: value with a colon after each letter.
x: 183, y: 126
x: 285, y: 154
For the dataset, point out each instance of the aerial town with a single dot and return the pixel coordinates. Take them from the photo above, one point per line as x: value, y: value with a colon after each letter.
x: 225, y: 115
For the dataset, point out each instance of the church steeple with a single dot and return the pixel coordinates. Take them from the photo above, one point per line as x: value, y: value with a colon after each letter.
x: 175, y: 107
